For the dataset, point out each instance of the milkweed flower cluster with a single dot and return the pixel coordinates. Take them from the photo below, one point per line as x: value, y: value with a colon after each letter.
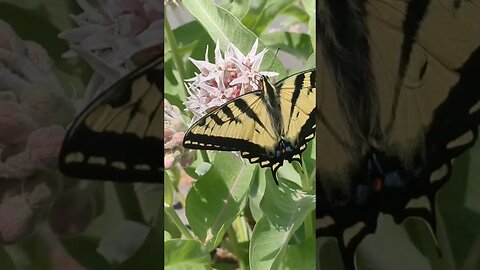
x: 174, y: 131
x: 230, y: 76
x: 109, y: 35
x: 33, y: 111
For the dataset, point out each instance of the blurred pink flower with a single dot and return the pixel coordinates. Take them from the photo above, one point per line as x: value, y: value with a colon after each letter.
x: 112, y: 32
x: 226, y: 79
x: 17, y: 216
x: 174, y: 131
x: 31, y: 103
x: 33, y: 111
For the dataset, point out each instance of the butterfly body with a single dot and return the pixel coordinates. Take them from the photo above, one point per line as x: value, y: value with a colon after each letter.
x: 267, y: 126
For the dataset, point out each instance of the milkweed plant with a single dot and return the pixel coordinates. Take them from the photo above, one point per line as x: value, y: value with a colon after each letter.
x: 221, y: 212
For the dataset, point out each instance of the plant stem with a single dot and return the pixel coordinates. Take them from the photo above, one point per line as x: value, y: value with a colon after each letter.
x: 235, y: 246
x: 170, y: 38
x: 129, y: 202
x: 205, y: 156
x: 306, y: 187
x: 170, y: 212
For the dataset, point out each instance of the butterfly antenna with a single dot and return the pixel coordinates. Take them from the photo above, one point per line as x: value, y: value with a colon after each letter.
x: 274, y: 58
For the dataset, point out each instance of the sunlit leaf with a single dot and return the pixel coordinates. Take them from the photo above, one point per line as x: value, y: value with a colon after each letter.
x: 223, y: 26
x: 284, y: 210
x: 186, y: 255
x: 217, y: 198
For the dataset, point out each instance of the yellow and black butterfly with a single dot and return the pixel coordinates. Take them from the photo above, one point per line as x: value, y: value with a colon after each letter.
x: 119, y: 136
x: 399, y: 99
x: 267, y: 126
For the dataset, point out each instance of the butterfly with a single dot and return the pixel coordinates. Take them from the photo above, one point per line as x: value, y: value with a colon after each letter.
x: 119, y: 136
x: 267, y: 126
x: 399, y: 99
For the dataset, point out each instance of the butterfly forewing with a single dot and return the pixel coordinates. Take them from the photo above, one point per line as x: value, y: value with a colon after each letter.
x: 239, y: 125
x: 119, y: 136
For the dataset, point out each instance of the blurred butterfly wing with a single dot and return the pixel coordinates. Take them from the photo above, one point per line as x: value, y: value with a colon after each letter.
x: 242, y: 124
x: 425, y: 105
x: 430, y: 115
x: 119, y: 136
x: 298, y: 103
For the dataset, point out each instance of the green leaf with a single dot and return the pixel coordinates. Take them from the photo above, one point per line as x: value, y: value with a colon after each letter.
x: 122, y: 241
x: 166, y: 236
x: 239, y: 8
x: 295, y: 256
x: 284, y: 210
x: 311, y: 10
x: 58, y: 12
x: 174, y: 88
x: 186, y: 255
x: 288, y: 173
x: 169, y: 190
x: 311, y: 61
x: 256, y: 193
x: 296, y: 14
x: 297, y: 44
x: 218, y: 197
x: 472, y: 191
x: 202, y: 168
x: 272, y: 9
x: 456, y: 202
x: 84, y: 250
x: 148, y: 256
x: 24, y: 4
x: 390, y: 248
x: 6, y: 263
x: 43, y: 32
x: 223, y: 26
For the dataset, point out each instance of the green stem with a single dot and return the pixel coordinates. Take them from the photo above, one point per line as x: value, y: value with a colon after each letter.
x: 36, y: 250
x: 170, y: 213
x: 240, y: 225
x: 235, y: 247
x: 306, y: 187
x: 205, y: 156
x: 129, y: 202
x: 170, y: 38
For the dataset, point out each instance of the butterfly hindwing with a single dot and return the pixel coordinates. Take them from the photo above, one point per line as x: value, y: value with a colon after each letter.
x: 298, y: 103
x: 119, y: 136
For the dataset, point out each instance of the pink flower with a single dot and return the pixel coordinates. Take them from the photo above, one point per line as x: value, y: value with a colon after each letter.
x: 111, y: 33
x: 226, y: 79
x: 17, y: 216
x: 32, y: 102
x: 174, y: 131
